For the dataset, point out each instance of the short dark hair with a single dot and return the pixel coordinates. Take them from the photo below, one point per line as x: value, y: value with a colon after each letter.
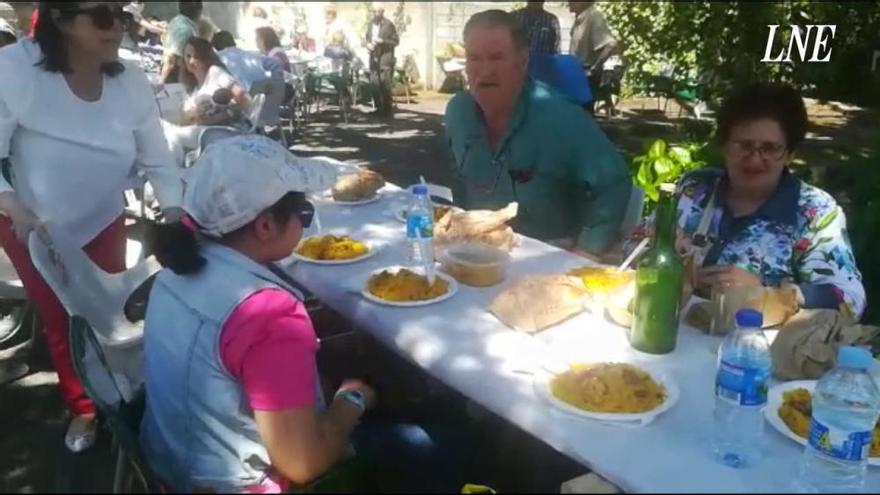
x: 269, y: 37
x: 499, y: 18
x: 222, y: 40
x: 204, y: 52
x: 779, y: 102
x: 191, y: 9
x: 51, y: 40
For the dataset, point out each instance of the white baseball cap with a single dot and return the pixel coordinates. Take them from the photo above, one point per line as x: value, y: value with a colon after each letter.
x: 238, y: 178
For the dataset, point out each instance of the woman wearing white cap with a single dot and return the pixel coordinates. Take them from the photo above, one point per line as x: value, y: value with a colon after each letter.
x: 233, y: 397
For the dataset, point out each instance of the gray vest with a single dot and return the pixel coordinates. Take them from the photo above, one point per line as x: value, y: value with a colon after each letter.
x: 198, y: 429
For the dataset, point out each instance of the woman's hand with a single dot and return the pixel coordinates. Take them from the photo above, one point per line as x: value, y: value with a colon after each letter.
x: 722, y: 276
x: 24, y: 221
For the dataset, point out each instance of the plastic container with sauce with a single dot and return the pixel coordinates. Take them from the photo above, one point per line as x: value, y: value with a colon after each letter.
x: 475, y: 264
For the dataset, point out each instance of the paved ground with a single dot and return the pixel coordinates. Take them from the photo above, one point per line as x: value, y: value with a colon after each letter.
x: 32, y: 421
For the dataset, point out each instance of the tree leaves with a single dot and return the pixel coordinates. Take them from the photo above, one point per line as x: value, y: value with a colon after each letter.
x: 727, y: 40
x: 662, y: 163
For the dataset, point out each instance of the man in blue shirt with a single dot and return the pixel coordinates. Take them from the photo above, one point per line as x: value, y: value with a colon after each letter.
x: 516, y: 139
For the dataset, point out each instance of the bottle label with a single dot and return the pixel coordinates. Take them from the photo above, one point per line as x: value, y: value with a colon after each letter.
x: 741, y: 386
x: 422, y: 223
x: 840, y: 444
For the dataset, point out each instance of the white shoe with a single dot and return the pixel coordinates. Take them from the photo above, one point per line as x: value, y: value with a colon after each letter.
x: 81, y: 433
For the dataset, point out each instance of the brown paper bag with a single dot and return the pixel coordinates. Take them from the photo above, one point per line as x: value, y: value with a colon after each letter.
x: 489, y: 227
x: 807, y: 344
x: 537, y: 303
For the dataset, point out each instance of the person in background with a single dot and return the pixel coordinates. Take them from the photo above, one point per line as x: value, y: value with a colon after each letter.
x: 382, y: 39
x: 592, y: 42
x: 302, y: 42
x: 541, y: 27
x: 74, y: 123
x: 234, y: 398
x: 181, y: 28
x: 270, y: 46
x: 247, y: 67
x: 129, y: 48
x: 514, y: 139
x: 204, y: 76
x: 336, y: 28
x: 8, y: 35
x: 136, y: 9
x: 766, y: 227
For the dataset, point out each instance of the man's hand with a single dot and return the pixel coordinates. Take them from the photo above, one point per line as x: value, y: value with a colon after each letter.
x: 723, y: 276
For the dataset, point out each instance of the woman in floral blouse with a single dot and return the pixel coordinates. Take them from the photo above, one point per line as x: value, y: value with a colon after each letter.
x: 753, y: 223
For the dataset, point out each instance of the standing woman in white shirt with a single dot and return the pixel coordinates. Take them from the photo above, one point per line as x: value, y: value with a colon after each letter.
x: 74, y: 124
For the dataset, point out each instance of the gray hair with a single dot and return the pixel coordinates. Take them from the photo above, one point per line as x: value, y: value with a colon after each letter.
x: 498, y: 18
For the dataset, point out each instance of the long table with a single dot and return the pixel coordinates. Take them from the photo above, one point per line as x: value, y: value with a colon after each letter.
x: 460, y: 343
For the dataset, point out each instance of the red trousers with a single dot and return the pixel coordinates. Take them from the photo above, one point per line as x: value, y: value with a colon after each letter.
x: 107, y: 250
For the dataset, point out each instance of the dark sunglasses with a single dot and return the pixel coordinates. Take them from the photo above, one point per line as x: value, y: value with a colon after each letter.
x: 103, y: 16
x: 306, y: 214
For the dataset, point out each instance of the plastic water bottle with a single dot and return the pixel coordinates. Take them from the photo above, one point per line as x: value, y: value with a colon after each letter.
x: 741, y: 385
x: 846, y: 404
x: 420, y: 226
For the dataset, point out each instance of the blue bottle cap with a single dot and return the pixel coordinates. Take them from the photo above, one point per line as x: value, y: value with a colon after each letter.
x: 421, y: 190
x: 854, y: 357
x: 749, y: 318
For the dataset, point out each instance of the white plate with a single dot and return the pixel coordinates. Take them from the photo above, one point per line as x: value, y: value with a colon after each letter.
x: 544, y: 376
x: 453, y: 289
x: 774, y: 400
x: 372, y: 251
x: 362, y: 202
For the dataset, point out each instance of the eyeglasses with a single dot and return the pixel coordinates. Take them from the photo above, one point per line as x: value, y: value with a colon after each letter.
x: 306, y: 214
x: 103, y: 16
x: 498, y: 164
x: 767, y: 150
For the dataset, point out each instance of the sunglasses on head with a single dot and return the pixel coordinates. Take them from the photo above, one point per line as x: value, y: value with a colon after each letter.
x: 103, y: 16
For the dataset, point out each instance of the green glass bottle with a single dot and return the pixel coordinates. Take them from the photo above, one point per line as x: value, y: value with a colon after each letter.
x: 659, y: 279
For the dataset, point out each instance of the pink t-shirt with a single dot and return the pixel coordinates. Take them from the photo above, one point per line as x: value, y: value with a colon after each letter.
x: 269, y: 345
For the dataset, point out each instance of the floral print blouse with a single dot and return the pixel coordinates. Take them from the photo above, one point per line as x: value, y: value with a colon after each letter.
x: 797, y: 236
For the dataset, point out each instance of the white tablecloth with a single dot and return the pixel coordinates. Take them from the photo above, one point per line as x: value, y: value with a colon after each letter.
x: 460, y: 343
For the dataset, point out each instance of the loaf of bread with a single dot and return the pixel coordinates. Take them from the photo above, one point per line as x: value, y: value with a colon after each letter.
x: 358, y: 187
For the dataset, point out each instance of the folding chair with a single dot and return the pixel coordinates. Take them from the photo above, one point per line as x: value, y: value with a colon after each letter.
x: 121, y: 416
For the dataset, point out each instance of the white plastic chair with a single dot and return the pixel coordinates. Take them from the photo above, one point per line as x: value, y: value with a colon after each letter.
x: 634, y: 210
x: 86, y: 290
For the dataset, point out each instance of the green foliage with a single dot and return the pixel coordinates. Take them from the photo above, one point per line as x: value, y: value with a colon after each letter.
x: 720, y: 44
x: 662, y: 163
x: 861, y: 203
